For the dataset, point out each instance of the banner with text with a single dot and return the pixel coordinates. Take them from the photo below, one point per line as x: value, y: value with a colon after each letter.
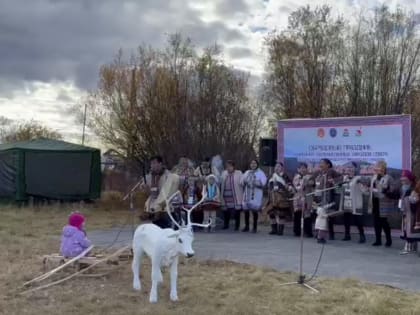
x: 363, y: 140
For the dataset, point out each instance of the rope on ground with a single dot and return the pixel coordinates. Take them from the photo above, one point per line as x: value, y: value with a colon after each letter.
x: 77, y: 273
x: 130, y: 215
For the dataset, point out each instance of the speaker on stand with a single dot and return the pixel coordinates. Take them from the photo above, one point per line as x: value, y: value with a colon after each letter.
x: 268, y: 153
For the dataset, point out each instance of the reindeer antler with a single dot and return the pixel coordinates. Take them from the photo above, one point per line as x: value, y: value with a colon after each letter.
x: 203, y: 198
x: 168, y: 207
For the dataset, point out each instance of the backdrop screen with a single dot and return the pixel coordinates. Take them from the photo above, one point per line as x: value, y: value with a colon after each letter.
x: 363, y: 140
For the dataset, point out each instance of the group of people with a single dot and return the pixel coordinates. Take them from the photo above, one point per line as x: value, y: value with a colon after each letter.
x: 317, y: 198
x: 312, y: 200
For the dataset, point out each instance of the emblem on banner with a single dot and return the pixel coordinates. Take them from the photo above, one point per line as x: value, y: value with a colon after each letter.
x: 346, y: 133
x: 333, y: 132
x: 359, y: 132
x: 321, y: 133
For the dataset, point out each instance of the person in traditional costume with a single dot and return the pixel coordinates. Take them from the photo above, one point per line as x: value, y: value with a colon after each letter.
x: 184, y: 170
x: 217, y: 168
x: 382, y: 202
x: 410, y: 207
x: 353, y: 202
x: 191, y: 194
x: 303, y: 185
x: 160, y: 184
x: 321, y: 224
x: 211, y: 204
x: 232, y: 195
x: 253, y: 182
x: 325, y: 181
x: 279, y: 202
x: 203, y: 170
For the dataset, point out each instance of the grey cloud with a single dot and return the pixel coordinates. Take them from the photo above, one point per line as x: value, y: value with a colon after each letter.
x: 65, y: 97
x: 285, y: 9
x: 240, y: 52
x: 226, y: 8
x: 69, y: 40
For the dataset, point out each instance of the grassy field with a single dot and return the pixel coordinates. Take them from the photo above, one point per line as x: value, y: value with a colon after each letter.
x: 204, y: 287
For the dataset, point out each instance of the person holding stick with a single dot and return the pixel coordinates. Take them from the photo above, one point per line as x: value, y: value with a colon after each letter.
x: 160, y: 184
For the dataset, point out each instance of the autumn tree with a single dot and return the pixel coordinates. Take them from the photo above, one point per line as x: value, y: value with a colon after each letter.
x: 303, y: 63
x: 174, y: 101
x: 323, y: 66
x: 25, y: 131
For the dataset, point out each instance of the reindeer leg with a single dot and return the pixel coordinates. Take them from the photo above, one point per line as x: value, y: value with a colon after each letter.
x: 136, y: 265
x: 156, y: 279
x: 174, y: 277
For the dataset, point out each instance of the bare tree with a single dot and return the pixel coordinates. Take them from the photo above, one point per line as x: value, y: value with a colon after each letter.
x: 174, y: 102
x: 24, y: 131
x: 303, y: 66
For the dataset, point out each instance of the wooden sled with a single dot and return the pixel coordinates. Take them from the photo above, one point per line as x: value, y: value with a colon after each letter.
x: 56, y: 260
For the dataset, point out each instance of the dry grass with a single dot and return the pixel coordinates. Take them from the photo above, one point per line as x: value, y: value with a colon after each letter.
x: 204, y: 287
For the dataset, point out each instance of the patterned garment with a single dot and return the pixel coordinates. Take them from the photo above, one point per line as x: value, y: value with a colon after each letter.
x: 347, y: 205
x: 228, y: 194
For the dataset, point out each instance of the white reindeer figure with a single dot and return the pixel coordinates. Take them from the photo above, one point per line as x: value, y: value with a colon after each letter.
x: 163, y: 247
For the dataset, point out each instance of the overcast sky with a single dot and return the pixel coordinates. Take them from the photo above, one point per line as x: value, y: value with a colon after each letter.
x: 51, y: 50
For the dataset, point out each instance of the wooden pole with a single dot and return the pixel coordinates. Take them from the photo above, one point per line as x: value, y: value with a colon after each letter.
x: 84, y: 125
x: 50, y: 273
x: 77, y: 273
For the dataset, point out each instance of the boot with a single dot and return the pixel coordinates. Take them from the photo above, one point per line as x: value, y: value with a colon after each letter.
x: 226, y: 219
x: 387, y: 230
x: 346, y: 238
x: 307, y: 227
x: 274, y: 229
x: 331, y: 230
x: 246, y: 228
x: 331, y: 235
x: 255, y: 222
x: 362, y: 238
x: 237, y: 219
x: 405, y: 251
x: 378, y: 230
x: 281, y: 229
x: 347, y: 222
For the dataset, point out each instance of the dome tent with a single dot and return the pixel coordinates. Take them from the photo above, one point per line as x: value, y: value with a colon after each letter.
x: 49, y: 169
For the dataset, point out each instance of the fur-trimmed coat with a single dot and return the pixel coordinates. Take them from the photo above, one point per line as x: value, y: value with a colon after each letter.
x: 381, y: 188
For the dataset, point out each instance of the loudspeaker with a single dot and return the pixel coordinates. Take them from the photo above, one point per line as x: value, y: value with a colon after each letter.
x: 268, y: 152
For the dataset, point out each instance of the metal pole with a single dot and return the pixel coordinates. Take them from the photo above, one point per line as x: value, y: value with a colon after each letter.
x: 84, y: 125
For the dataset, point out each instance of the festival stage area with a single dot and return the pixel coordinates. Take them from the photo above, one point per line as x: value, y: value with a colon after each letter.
x: 340, y: 259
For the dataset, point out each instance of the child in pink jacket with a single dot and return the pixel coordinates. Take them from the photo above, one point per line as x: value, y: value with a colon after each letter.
x: 73, y: 239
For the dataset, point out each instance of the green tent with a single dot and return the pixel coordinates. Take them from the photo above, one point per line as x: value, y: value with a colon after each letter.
x: 49, y: 169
